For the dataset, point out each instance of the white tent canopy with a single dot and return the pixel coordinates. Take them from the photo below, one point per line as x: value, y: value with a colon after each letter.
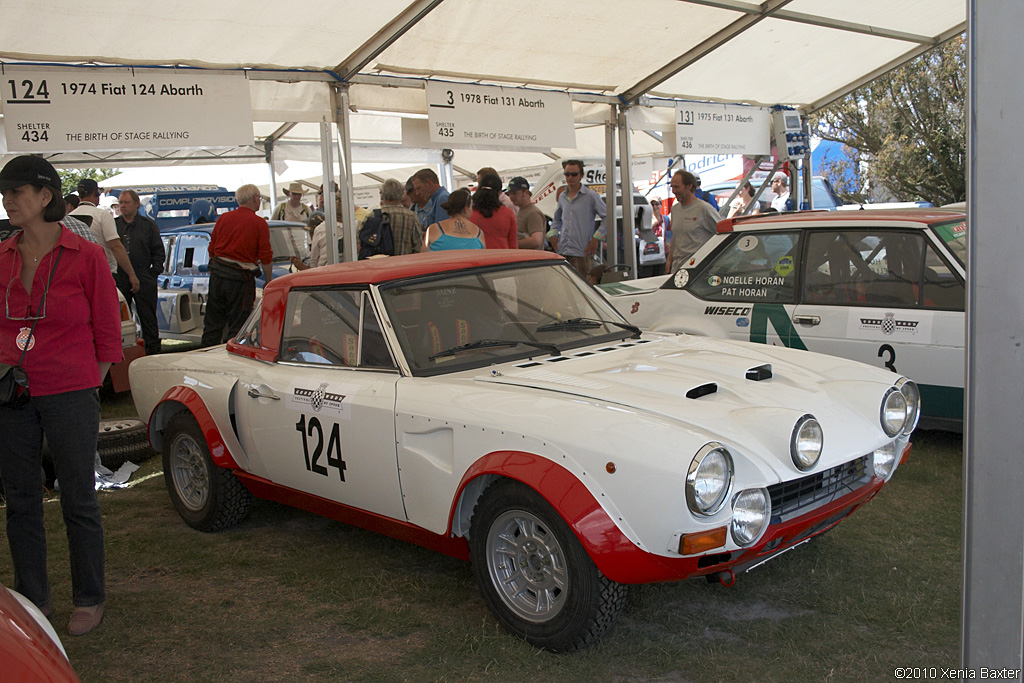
x: 724, y: 50
x: 603, y: 52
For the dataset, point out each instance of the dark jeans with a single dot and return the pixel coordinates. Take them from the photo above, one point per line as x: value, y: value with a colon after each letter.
x: 228, y: 305
x: 70, y: 422
x: 145, y: 306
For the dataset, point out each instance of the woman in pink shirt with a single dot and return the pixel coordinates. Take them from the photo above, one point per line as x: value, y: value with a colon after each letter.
x: 61, y: 323
x: 496, y: 221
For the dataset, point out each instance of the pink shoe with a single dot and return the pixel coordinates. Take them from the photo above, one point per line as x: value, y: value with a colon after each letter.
x: 85, y: 619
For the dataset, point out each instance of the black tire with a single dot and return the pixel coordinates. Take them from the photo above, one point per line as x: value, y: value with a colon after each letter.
x: 120, y: 441
x: 208, y: 498
x: 535, y: 575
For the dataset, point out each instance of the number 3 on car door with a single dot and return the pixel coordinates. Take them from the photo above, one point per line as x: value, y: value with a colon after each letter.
x: 885, y: 350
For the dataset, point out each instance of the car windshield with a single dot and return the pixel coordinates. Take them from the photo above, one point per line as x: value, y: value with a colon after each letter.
x: 955, y: 237
x: 466, y: 320
x: 288, y: 241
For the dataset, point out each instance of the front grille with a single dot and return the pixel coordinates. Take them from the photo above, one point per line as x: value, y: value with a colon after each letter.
x: 791, y: 497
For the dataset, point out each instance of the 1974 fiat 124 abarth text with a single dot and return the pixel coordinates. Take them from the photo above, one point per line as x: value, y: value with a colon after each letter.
x: 493, y: 406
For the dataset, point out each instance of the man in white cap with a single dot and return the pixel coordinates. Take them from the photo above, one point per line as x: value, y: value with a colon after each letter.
x: 293, y: 209
x: 530, y: 220
x: 101, y: 223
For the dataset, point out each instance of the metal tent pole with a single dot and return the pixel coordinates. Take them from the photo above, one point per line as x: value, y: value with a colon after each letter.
x: 626, y: 187
x: 340, y: 105
x: 992, y: 617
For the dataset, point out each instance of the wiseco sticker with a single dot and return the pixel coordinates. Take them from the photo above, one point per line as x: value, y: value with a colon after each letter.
x: 727, y: 310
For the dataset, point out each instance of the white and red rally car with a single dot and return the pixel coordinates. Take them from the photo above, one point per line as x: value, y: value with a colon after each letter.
x: 493, y: 406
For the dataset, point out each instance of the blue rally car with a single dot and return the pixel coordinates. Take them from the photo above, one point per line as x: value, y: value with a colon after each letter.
x: 185, y: 282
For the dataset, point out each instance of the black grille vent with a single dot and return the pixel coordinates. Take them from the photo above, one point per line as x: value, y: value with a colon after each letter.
x: 791, y: 497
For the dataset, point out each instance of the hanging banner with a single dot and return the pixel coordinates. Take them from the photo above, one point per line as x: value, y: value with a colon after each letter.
x: 70, y: 110
x: 703, y: 128
x: 481, y: 116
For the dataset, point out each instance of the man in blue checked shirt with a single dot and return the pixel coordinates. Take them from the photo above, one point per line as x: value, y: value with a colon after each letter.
x: 575, y: 219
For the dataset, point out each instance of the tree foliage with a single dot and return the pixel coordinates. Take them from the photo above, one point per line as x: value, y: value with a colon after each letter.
x: 905, y: 131
x: 69, y: 177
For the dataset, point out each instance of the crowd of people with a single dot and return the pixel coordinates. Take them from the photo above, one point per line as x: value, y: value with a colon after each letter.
x: 426, y: 216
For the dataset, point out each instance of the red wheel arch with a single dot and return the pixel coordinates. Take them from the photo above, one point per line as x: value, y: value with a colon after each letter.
x: 188, y: 397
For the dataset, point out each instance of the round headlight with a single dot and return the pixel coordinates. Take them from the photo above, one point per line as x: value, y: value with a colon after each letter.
x: 709, y: 480
x: 749, y: 515
x: 806, y: 442
x: 894, y: 412
x: 885, y: 460
x: 912, y: 395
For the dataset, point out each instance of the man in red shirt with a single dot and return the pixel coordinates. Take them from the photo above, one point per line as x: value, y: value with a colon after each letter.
x: 239, y: 242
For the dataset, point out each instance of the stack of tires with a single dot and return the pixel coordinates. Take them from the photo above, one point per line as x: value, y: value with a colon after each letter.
x: 118, y: 442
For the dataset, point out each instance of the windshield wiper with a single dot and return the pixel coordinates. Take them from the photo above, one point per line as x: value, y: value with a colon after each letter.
x: 587, y: 324
x: 486, y: 343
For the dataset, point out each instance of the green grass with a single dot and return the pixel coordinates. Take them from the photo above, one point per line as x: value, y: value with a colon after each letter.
x: 117, y: 405
x: 288, y: 596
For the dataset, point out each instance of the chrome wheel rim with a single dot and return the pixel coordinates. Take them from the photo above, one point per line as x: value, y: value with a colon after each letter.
x: 527, y: 566
x: 189, y: 472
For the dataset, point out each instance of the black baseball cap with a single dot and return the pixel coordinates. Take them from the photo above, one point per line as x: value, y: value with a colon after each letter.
x: 518, y: 183
x: 88, y: 187
x: 28, y: 169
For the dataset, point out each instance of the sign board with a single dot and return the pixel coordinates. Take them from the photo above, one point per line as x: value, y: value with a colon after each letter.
x: 64, y: 110
x: 641, y: 170
x: 368, y: 197
x: 463, y: 116
x: 703, y: 128
x: 720, y: 168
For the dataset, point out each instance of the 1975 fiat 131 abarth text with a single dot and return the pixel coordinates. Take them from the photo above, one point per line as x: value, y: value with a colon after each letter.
x: 493, y: 406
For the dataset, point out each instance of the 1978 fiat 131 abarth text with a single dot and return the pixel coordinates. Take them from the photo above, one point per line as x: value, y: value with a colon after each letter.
x: 493, y: 406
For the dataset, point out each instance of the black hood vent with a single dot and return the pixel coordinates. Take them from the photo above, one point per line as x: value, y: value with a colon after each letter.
x: 761, y: 372
x: 702, y: 390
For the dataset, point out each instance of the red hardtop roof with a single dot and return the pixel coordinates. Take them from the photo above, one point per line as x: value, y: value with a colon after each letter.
x: 378, y: 270
x: 370, y: 271
x: 925, y: 216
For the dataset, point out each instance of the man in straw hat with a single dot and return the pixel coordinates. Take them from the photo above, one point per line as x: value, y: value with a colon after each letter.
x: 293, y: 209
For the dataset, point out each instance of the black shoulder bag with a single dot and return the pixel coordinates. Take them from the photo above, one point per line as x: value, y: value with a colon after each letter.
x: 13, y: 378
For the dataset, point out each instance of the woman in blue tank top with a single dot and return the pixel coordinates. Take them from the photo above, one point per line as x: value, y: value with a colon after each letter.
x: 457, y: 231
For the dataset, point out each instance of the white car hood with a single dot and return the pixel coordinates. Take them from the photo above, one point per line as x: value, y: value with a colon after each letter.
x: 703, y: 383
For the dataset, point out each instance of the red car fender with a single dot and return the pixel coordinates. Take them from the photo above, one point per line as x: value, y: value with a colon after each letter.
x: 615, y: 555
x: 26, y: 650
x: 620, y: 559
x: 188, y: 397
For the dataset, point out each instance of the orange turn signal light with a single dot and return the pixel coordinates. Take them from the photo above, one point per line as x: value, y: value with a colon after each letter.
x: 906, y: 454
x: 699, y: 542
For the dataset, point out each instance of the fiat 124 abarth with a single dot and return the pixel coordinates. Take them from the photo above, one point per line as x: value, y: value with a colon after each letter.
x: 493, y: 406
x: 883, y: 287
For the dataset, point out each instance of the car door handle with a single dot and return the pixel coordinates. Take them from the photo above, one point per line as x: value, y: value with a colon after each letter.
x: 806, y: 320
x: 256, y: 394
